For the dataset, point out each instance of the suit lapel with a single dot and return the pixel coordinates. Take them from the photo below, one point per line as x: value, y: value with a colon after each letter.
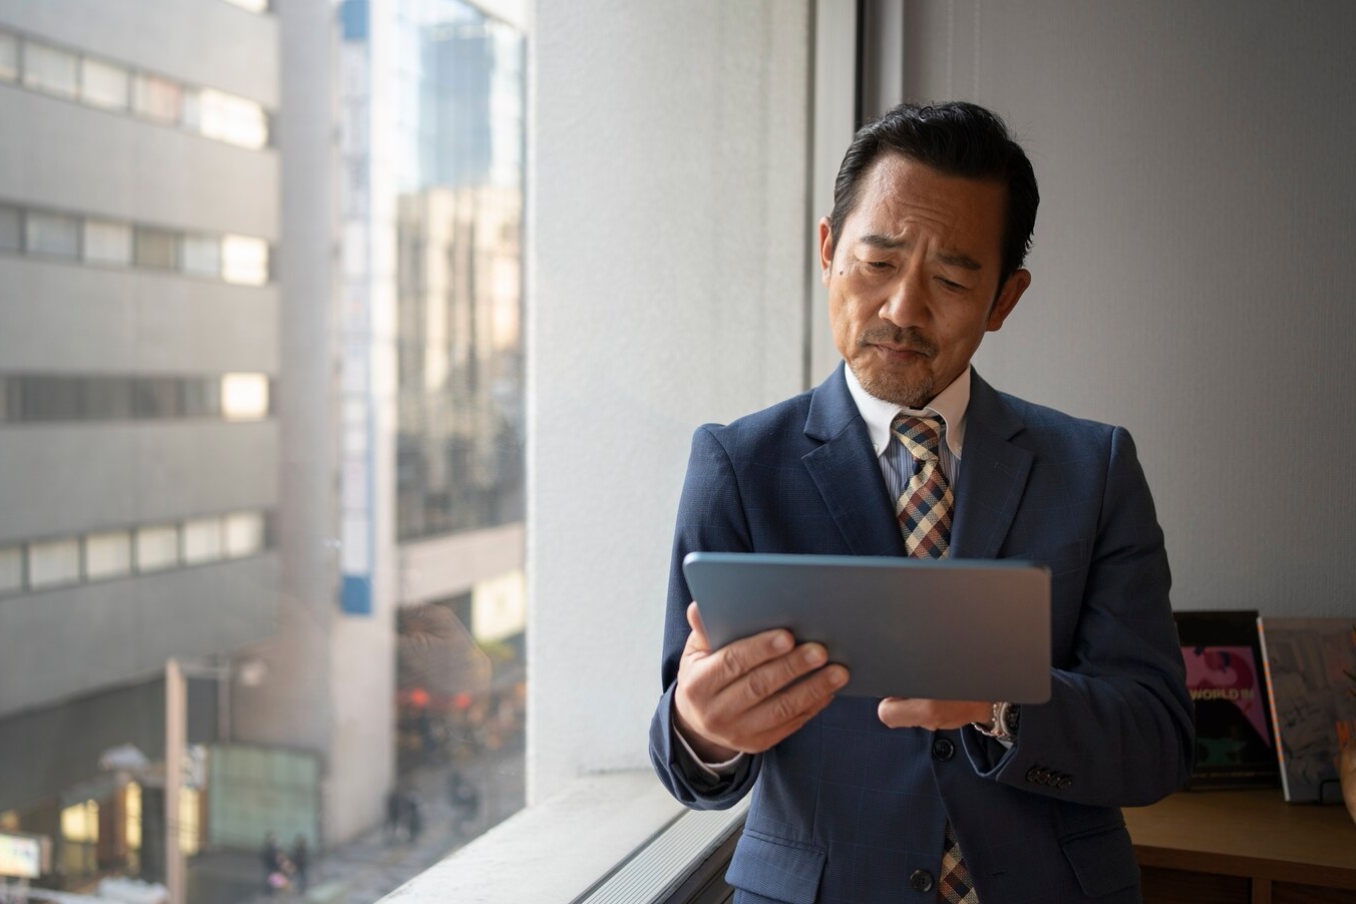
x: 993, y: 475
x: 847, y: 473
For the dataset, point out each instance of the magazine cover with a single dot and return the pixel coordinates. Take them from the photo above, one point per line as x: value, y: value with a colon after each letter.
x: 1234, y: 742
x: 1308, y: 663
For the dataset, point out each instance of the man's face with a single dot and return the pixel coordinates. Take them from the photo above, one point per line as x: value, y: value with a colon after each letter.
x: 913, y: 284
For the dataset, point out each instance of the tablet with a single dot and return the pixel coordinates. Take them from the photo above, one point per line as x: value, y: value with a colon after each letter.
x: 939, y: 629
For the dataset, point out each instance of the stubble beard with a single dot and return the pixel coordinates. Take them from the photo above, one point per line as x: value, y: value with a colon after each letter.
x: 882, y: 382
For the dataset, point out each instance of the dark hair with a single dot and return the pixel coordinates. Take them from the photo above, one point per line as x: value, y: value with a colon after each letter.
x: 957, y: 139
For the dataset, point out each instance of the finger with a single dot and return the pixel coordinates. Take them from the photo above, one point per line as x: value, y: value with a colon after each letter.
x: 742, y: 656
x: 767, y: 679
x: 698, y: 635
x: 807, y: 696
x: 898, y: 712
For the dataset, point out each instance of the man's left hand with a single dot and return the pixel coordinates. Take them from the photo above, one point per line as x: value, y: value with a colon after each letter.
x: 914, y: 712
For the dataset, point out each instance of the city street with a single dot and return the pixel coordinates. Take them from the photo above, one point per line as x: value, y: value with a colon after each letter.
x: 366, y: 869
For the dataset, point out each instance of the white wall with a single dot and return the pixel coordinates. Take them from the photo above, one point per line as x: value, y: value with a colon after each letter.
x: 1192, y: 262
x: 667, y: 208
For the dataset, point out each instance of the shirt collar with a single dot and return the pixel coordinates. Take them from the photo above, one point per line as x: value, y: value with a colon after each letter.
x: 950, y: 405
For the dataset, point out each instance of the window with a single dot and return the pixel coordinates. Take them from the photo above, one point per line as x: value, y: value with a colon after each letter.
x: 157, y: 248
x: 11, y: 229
x: 49, y: 399
x: 244, y: 397
x: 244, y: 260
x: 51, y: 70
x: 53, y: 563
x: 103, y: 84
x: 226, y: 117
x: 201, y: 255
x: 108, y: 243
x: 156, y: 98
x: 9, y: 57
x: 11, y: 569
x: 202, y: 541
x: 108, y: 398
x: 157, y: 548
x: 107, y: 555
x: 244, y: 534
x: 53, y: 234
x: 157, y: 397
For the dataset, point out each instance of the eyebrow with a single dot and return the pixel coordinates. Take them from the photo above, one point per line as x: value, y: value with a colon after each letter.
x: 890, y: 243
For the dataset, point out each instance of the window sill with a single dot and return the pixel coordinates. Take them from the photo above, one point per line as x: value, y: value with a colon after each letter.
x: 603, y: 836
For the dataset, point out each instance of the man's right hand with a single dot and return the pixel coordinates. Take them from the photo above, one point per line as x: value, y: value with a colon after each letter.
x: 749, y: 695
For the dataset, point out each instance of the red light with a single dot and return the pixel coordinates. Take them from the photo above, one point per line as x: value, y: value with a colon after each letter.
x: 462, y: 700
x: 419, y: 697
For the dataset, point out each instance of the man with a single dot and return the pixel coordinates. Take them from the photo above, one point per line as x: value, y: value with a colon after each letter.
x: 905, y: 450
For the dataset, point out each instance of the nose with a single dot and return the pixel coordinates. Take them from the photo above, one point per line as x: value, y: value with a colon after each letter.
x: 906, y: 303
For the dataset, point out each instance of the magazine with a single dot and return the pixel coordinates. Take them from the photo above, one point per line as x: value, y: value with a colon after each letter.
x: 1308, y: 663
x: 1234, y: 742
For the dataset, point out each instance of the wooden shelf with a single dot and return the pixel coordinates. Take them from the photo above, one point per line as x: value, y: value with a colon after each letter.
x: 1245, y: 846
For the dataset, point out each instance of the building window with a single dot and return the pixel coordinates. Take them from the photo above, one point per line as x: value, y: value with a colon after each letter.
x: 108, y: 555
x: 9, y: 57
x: 244, y: 397
x: 49, y: 399
x: 108, y: 243
x: 11, y: 229
x: 53, y: 563
x: 157, y: 548
x: 244, y: 260
x: 103, y: 84
x: 202, y: 541
x: 11, y: 569
x: 244, y: 534
x: 201, y: 255
x: 236, y: 120
x: 156, y: 98
x: 157, y: 249
x: 51, y: 70
x: 52, y: 234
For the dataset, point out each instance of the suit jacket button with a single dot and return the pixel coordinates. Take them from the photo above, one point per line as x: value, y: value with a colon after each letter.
x: 1033, y: 775
x: 1064, y: 783
x: 921, y: 880
x: 943, y: 749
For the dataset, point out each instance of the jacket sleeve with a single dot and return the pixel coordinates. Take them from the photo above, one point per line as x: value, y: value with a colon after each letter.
x: 710, y: 519
x: 1119, y: 727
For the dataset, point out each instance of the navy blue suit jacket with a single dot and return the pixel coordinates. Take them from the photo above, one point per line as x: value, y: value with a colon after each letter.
x: 847, y: 810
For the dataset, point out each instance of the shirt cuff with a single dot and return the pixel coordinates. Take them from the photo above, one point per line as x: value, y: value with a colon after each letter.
x: 713, y: 770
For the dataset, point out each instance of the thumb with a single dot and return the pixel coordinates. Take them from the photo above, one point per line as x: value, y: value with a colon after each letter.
x: 698, y: 639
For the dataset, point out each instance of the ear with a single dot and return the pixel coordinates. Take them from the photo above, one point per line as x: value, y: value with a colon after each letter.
x: 825, y: 250
x: 1007, y: 299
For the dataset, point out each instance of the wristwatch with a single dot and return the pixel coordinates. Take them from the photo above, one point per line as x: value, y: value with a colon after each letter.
x: 1006, y: 717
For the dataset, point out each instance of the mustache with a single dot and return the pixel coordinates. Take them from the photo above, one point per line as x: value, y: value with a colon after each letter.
x: 911, y: 339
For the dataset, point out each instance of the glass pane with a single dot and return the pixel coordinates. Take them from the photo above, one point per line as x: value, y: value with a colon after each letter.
x: 156, y: 98
x: 9, y: 57
x: 108, y: 555
x: 49, y: 399
x: 157, y: 248
x: 202, y: 541
x: 201, y: 255
x: 244, y: 397
x: 49, y: 233
x: 108, y: 399
x: 157, y: 547
x: 11, y: 569
x: 108, y: 243
x: 244, y: 534
x: 157, y: 397
x: 11, y: 229
x: 49, y: 69
x: 103, y: 84
x: 230, y: 118
x: 53, y: 562
x: 244, y: 260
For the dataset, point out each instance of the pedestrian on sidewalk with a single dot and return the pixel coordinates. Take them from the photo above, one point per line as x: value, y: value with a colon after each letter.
x: 414, y: 818
x: 301, y: 858
x: 395, y: 804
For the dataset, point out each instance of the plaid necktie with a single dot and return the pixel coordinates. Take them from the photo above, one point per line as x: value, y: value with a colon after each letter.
x: 924, y: 513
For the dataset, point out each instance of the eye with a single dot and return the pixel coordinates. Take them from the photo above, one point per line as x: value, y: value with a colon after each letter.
x: 880, y: 266
x: 953, y: 286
